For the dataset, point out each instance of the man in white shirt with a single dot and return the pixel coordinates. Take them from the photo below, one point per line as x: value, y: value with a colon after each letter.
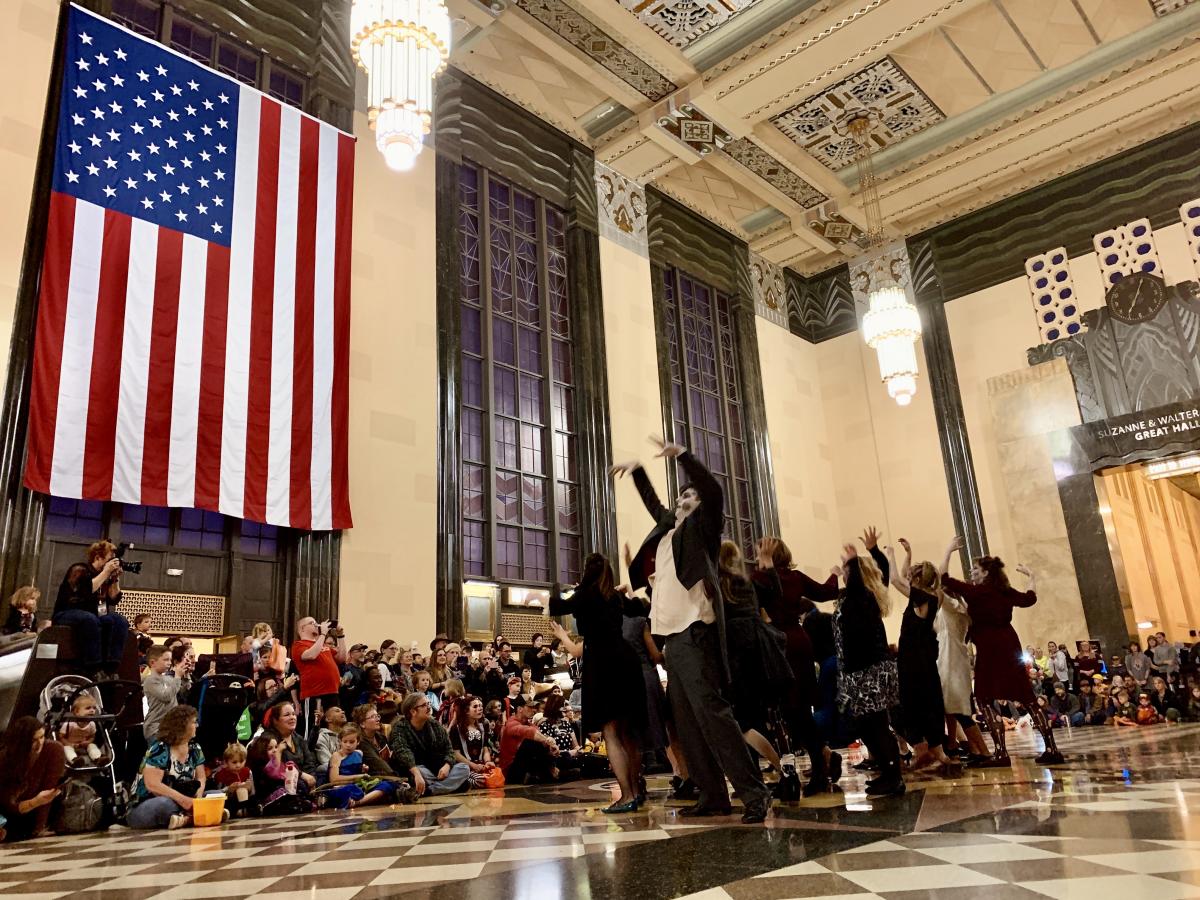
x: 681, y: 552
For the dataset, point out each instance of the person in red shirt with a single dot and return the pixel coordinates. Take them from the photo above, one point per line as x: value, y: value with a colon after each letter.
x: 317, y: 666
x: 526, y: 755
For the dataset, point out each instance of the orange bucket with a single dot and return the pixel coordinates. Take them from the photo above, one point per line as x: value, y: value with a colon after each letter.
x: 207, y: 810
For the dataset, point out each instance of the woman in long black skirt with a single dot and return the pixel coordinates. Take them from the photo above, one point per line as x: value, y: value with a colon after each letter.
x: 615, y: 700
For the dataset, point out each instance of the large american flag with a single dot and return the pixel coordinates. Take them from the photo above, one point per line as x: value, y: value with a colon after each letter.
x: 192, y: 340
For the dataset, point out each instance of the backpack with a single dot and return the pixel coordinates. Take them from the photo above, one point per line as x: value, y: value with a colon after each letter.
x: 78, y: 809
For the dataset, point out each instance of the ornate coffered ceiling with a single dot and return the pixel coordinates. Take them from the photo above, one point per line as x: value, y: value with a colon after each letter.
x: 737, y: 108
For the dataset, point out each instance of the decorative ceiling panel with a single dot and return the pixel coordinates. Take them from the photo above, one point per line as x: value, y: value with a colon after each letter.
x: 1162, y: 7
x: 894, y: 104
x: 683, y: 21
x: 588, y: 37
x: 1055, y: 29
x: 996, y: 50
x: 1113, y: 19
x: 710, y: 191
x: 774, y: 172
x: 945, y: 76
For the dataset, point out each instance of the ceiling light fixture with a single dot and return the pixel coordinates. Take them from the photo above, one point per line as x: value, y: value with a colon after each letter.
x: 891, y: 325
x: 402, y: 45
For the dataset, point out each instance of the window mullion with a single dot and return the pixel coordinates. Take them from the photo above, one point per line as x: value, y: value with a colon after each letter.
x: 681, y: 343
x: 722, y: 392
x: 489, y: 425
x: 549, y: 433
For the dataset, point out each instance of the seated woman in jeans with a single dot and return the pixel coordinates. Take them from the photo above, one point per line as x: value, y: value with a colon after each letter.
x: 31, y: 769
x: 172, y: 774
x: 85, y: 603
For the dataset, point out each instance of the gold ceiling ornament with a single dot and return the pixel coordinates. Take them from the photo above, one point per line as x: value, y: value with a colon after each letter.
x: 891, y: 325
x: 402, y: 45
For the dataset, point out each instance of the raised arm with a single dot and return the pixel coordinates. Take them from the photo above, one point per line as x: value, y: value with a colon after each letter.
x: 953, y: 547
x: 1029, y: 597
x: 644, y: 488
x: 712, y: 498
x: 899, y: 576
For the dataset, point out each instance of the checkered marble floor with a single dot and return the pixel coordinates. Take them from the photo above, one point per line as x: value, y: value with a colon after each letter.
x: 1120, y: 820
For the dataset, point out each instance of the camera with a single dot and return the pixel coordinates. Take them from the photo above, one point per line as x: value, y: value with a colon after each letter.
x: 133, y: 568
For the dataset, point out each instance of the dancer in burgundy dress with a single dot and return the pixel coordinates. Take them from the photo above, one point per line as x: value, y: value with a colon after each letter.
x: 1000, y: 672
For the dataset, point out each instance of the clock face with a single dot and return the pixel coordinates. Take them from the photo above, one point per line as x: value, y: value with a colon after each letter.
x: 1137, y: 297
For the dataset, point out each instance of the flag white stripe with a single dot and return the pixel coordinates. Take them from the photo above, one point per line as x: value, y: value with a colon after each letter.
x: 283, y: 321
x: 185, y: 400
x: 135, y: 362
x: 79, y: 336
x: 241, y: 282
x: 322, y: 420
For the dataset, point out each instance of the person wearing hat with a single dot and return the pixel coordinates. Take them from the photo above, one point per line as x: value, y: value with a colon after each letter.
x: 526, y: 755
x: 354, y: 678
x: 438, y: 643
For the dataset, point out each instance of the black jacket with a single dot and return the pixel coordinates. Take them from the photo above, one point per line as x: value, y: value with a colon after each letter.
x: 696, y: 543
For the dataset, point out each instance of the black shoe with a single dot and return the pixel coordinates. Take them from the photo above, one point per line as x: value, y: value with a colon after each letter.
x: 704, y: 812
x: 788, y: 787
x: 817, y: 786
x: 684, y: 790
x: 835, y: 767
x: 756, y: 812
x: 886, y: 787
x: 641, y: 789
x: 1050, y: 758
x: 867, y: 765
x: 993, y: 762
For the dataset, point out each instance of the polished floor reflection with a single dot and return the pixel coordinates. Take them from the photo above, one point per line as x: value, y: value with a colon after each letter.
x: 1116, y: 822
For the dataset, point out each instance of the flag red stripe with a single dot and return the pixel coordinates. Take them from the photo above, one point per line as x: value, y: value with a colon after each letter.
x: 48, y: 341
x: 104, y: 393
x: 258, y: 404
x: 210, y: 418
x: 156, y: 447
x: 302, y: 346
x: 340, y: 463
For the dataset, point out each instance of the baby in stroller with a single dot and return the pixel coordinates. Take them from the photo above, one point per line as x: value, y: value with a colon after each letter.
x: 77, y: 734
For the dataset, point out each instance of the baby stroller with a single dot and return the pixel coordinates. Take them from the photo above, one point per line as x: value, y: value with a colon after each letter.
x: 221, y: 698
x: 91, y: 793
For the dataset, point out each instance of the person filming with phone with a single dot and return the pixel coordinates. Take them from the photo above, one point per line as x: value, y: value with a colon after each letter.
x: 317, y: 666
x: 86, y: 604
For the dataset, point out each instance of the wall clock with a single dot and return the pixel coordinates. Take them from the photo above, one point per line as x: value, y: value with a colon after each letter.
x: 1136, y: 298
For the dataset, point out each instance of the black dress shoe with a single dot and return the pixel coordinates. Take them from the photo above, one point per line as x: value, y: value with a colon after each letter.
x: 703, y: 812
x: 685, y: 789
x: 756, y: 812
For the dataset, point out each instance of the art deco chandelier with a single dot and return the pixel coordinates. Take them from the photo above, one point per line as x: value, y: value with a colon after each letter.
x: 402, y: 45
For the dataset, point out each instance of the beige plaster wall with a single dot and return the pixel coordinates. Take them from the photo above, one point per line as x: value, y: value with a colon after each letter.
x: 26, y: 52
x: 800, y: 449
x: 635, y: 408
x: 388, y: 574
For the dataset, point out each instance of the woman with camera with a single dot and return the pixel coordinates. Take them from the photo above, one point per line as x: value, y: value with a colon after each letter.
x: 86, y: 600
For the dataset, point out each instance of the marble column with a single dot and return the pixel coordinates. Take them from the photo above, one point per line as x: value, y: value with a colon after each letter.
x: 1033, y: 411
x: 942, y: 375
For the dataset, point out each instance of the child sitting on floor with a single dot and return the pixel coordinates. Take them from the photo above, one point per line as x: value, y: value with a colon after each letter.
x: 79, y: 738
x: 234, y: 775
x: 1146, y: 713
x: 350, y: 786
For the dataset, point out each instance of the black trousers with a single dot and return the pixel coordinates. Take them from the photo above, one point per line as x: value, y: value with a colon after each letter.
x: 875, y: 732
x: 712, y: 741
x: 532, y: 758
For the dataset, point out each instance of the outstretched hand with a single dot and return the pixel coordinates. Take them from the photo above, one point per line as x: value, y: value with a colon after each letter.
x: 1025, y: 570
x: 766, y: 552
x: 666, y: 448
x: 903, y: 542
x: 870, y: 537
x: 620, y: 470
x: 956, y: 544
x: 848, y: 553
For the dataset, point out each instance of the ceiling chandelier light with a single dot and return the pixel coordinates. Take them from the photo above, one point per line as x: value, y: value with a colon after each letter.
x: 891, y: 325
x: 402, y: 45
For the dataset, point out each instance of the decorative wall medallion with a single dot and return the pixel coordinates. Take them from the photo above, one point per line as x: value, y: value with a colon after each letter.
x: 689, y: 125
x: 1126, y: 249
x: 770, y: 290
x: 774, y: 172
x: 1189, y: 214
x: 587, y: 36
x: 895, y: 105
x: 888, y: 264
x: 622, y: 207
x: 1052, y: 290
x: 830, y: 224
x: 683, y: 21
x: 1162, y: 7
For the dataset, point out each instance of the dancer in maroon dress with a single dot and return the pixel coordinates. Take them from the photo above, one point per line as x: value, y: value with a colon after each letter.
x: 1000, y: 672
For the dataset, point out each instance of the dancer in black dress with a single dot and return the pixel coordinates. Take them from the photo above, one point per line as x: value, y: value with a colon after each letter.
x: 867, y: 680
x: 923, y: 711
x: 615, y: 700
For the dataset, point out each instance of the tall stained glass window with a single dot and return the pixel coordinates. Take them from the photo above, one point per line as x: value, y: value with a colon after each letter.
x: 520, y: 480
x: 706, y: 392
